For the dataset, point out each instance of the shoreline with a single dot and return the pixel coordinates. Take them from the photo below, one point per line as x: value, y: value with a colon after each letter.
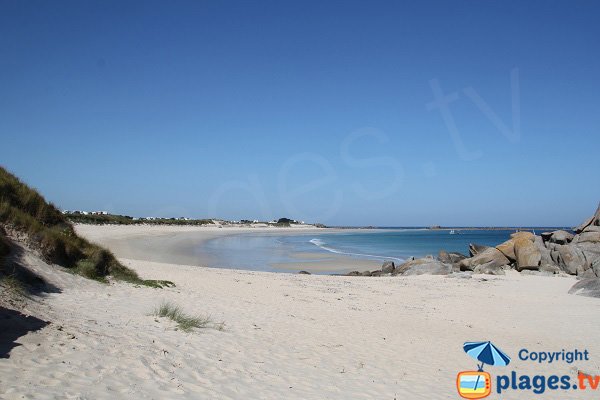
x: 181, y: 245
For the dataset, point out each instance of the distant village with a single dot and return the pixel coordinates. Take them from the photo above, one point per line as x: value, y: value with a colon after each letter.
x: 106, y: 217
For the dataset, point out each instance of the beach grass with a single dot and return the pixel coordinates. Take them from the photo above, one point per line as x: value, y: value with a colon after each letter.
x: 184, y: 321
x: 24, y: 211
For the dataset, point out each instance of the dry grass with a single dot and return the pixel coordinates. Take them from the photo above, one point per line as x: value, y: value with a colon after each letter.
x: 184, y: 321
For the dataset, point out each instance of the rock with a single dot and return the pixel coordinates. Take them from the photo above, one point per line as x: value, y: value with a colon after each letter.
x: 431, y: 268
x: 489, y: 255
x: 587, y: 236
x: 461, y: 275
x: 376, y: 273
x: 537, y: 273
x: 475, y: 249
x: 388, y: 267
x: 592, y: 221
x: 569, y: 258
x: 422, y: 266
x: 544, y: 251
x: 366, y: 273
x: 450, y: 258
x: 559, y: 237
x: 489, y: 268
x: 527, y: 253
x: 586, y: 287
x: 589, y: 273
x: 523, y: 235
x: 592, y: 228
x: 508, y: 249
x: 551, y: 268
x: 304, y: 273
x: 585, y: 224
x: 353, y: 273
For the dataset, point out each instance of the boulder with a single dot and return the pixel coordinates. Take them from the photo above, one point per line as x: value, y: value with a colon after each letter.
x: 588, y: 236
x: 422, y: 266
x: 431, y: 268
x: 450, y: 258
x: 508, y: 249
x: 527, y: 254
x: 587, y: 287
x: 592, y: 221
x: 304, y: 273
x: 569, y: 258
x: 489, y: 255
x: 376, y: 273
x: 489, y: 269
x: 544, y: 251
x: 353, y: 273
x: 388, y: 267
x: 366, y: 273
x: 559, y: 237
x: 551, y: 268
x: 523, y: 235
x: 475, y: 249
x: 585, y: 224
x: 590, y: 251
x: 461, y: 275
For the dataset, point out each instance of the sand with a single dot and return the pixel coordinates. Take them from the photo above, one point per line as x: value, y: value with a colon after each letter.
x: 289, y: 336
x: 177, y: 244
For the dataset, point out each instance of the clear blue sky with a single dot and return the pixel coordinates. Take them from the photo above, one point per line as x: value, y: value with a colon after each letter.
x: 322, y: 112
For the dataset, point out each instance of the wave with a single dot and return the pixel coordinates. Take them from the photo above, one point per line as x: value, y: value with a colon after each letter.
x: 323, y: 245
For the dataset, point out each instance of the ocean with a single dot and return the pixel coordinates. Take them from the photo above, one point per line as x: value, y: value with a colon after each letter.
x: 262, y: 251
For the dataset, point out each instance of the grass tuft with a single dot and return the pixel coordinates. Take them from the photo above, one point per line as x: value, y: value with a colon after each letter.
x: 184, y: 321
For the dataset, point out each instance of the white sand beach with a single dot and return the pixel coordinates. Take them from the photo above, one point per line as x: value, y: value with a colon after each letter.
x: 286, y: 336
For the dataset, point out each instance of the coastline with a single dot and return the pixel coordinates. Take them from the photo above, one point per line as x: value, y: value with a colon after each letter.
x: 179, y: 244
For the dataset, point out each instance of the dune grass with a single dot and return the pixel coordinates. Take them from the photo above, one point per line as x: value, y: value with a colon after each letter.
x: 184, y: 321
x: 24, y: 210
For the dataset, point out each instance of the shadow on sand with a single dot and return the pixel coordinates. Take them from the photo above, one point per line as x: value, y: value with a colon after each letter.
x: 13, y: 325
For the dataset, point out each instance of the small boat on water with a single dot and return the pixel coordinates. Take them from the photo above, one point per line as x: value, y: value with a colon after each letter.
x: 452, y: 232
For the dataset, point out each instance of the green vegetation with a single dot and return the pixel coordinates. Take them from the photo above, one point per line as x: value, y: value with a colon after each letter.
x: 184, y: 322
x: 102, y: 219
x: 24, y: 210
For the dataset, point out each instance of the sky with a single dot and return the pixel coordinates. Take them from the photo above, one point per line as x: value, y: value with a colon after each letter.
x: 464, y: 113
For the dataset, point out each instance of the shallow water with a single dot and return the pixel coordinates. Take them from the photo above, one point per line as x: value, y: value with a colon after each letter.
x: 262, y: 251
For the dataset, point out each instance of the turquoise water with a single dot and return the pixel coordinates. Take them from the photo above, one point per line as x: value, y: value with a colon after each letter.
x: 260, y: 251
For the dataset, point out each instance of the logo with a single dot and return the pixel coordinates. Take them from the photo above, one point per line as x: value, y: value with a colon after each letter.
x: 474, y: 384
x: 478, y: 384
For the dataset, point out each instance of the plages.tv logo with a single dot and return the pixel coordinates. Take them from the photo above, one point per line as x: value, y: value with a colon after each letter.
x: 478, y: 384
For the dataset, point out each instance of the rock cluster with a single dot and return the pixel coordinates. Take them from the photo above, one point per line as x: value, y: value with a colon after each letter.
x: 556, y: 252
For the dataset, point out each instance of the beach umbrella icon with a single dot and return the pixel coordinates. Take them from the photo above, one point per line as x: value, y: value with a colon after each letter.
x: 486, y: 353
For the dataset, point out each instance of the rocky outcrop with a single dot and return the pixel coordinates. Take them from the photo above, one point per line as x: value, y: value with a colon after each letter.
x: 491, y: 256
